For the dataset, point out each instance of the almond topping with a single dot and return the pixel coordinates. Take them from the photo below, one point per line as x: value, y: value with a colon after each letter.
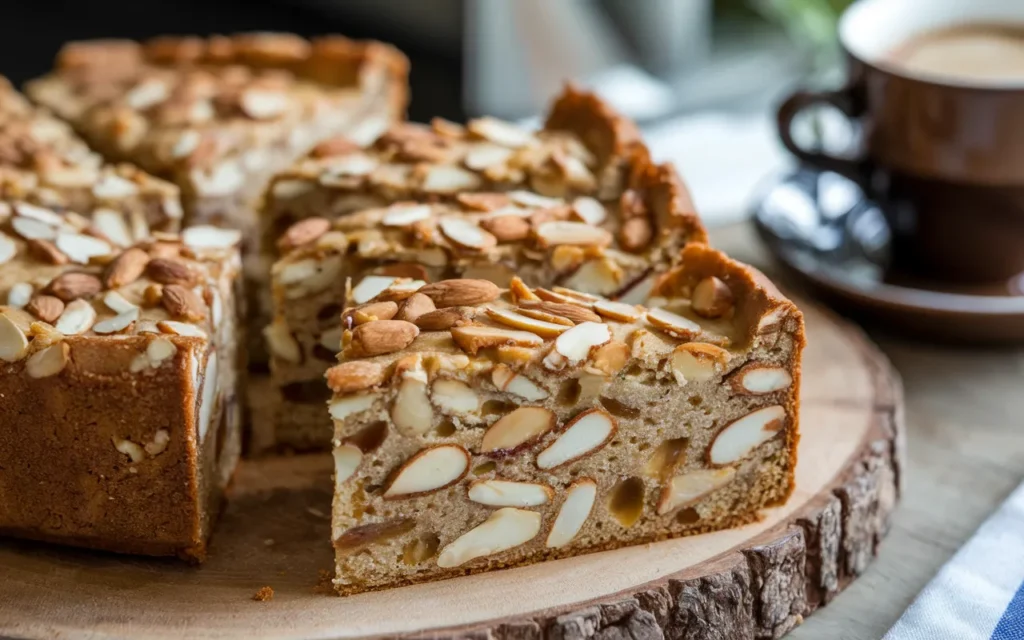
x: 449, y: 179
x: 303, y: 232
x: 126, y: 268
x: 415, y: 306
x: 46, y: 251
x: 573, y: 312
x: 517, y: 429
x: 428, y: 471
x: 712, y: 298
x: 404, y: 215
x: 73, y: 285
x: 170, y: 271
x: 684, y: 490
x: 673, y: 324
x: 46, y: 308
x: 499, y: 132
x: 742, y: 436
x: 81, y: 248
x: 540, y: 327
x: 369, y: 287
x: 508, y: 228
x: 574, y: 346
x: 581, y: 436
x: 181, y: 329
x: 507, y: 493
x: 757, y: 379
x: 13, y: 343
x: 118, y: 323
x: 483, y: 156
x: 520, y: 292
x: 466, y: 234
x: 505, y: 529
x: 610, y: 358
x: 183, y: 303
x: 346, y: 462
x: 7, y: 248
x: 537, y: 314
x: 472, y: 338
x: 516, y: 384
x: 558, y: 232
x: 48, y: 362
x: 589, y: 210
x: 618, y: 311
x: 575, y: 509
x: 78, y: 317
x: 207, y: 237
x: 380, y: 337
x: 354, y: 376
x: 636, y: 234
x: 369, y: 312
x: 460, y: 293
x: 443, y: 319
x: 483, y: 201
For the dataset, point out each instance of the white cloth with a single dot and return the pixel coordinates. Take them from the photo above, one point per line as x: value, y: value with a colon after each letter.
x: 979, y: 594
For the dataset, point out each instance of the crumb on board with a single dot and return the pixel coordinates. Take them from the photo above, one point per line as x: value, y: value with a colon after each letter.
x: 264, y: 594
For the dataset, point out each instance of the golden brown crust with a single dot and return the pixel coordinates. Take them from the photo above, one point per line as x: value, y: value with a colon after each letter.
x: 606, y: 132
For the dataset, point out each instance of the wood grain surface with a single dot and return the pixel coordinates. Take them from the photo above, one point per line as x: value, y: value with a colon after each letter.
x: 757, y: 581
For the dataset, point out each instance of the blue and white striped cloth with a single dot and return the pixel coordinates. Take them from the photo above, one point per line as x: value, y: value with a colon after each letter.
x: 979, y: 594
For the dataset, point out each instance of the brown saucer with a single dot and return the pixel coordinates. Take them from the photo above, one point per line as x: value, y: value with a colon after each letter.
x: 828, y: 234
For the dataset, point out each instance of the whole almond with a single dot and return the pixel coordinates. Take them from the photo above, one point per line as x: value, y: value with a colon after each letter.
x: 382, y: 336
x: 73, y: 285
x: 415, y: 306
x: 354, y: 376
x: 572, y: 312
x: 46, y: 308
x: 47, y: 252
x: 170, y: 271
x: 636, y: 234
x: 303, y: 232
x: 182, y: 303
x: 368, y: 313
x: 126, y: 268
x: 443, y: 319
x: 507, y: 228
x: 460, y: 293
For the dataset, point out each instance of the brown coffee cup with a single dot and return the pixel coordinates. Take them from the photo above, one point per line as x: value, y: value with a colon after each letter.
x: 943, y: 152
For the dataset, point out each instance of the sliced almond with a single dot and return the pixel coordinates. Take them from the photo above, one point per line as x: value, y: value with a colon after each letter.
x: 345, y: 406
x: 454, y: 397
x: 742, y: 436
x: 180, y: 329
x: 303, y: 232
x: 697, y: 362
x: 281, y: 343
x: 517, y: 429
x: 428, y: 471
x: 7, y: 248
x: 48, y: 362
x: 380, y: 337
x: 500, y: 132
x: 507, y: 493
x: 574, y: 346
x: 519, y: 321
x: 610, y: 358
x: 32, y: 229
x: 445, y: 178
x: 483, y: 156
x: 357, y: 375
x: 507, y: 228
x: 346, y: 462
x: 533, y: 200
x: 559, y: 232
x: 206, y: 237
x: 42, y: 214
x: 673, y: 324
x: 618, y: 311
x: 553, y: 296
x: 573, y: 514
x: 369, y: 287
x: 712, y: 298
x: 582, y: 436
x: 507, y: 380
x: 403, y: 215
x: 573, y: 312
x: 81, y: 248
x: 460, y: 293
x: 466, y: 234
x: 112, y: 225
x: 118, y: 323
x: 117, y: 302
x: 688, y: 488
x: 369, y: 312
x: 19, y: 294
x: 601, y: 275
x: 758, y: 379
x: 505, y: 529
x: 13, y: 343
x: 520, y: 292
x: 263, y: 104
x: 537, y: 314
x: 589, y: 210
x: 472, y: 338
x: 400, y: 290
x: 411, y: 410
x: 77, y: 318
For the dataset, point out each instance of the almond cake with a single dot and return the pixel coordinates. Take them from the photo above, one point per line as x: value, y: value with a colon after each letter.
x: 506, y: 427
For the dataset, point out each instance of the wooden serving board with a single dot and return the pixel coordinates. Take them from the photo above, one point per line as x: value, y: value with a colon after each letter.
x: 756, y: 581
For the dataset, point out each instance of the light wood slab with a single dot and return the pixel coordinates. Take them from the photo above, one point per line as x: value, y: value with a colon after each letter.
x: 755, y: 581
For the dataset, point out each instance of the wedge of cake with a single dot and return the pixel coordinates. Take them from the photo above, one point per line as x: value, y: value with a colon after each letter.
x: 508, y: 427
x: 219, y: 116
x: 119, y: 426
x: 549, y: 242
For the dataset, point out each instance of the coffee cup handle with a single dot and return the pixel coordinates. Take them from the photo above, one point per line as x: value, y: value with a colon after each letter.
x: 841, y: 99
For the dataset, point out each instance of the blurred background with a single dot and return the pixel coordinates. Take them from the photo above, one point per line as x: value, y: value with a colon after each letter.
x: 701, y: 76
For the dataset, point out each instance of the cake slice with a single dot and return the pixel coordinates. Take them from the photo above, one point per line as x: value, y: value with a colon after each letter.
x: 119, y: 425
x: 506, y: 428
x: 219, y: 116
x: 548, y: 242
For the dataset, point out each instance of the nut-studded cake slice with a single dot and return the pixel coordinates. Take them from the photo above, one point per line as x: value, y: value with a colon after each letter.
x: 219, y: 116
x: 388, y: 252
x: 505, y: 428
x: 118, y: 427
x: 585, y: 148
